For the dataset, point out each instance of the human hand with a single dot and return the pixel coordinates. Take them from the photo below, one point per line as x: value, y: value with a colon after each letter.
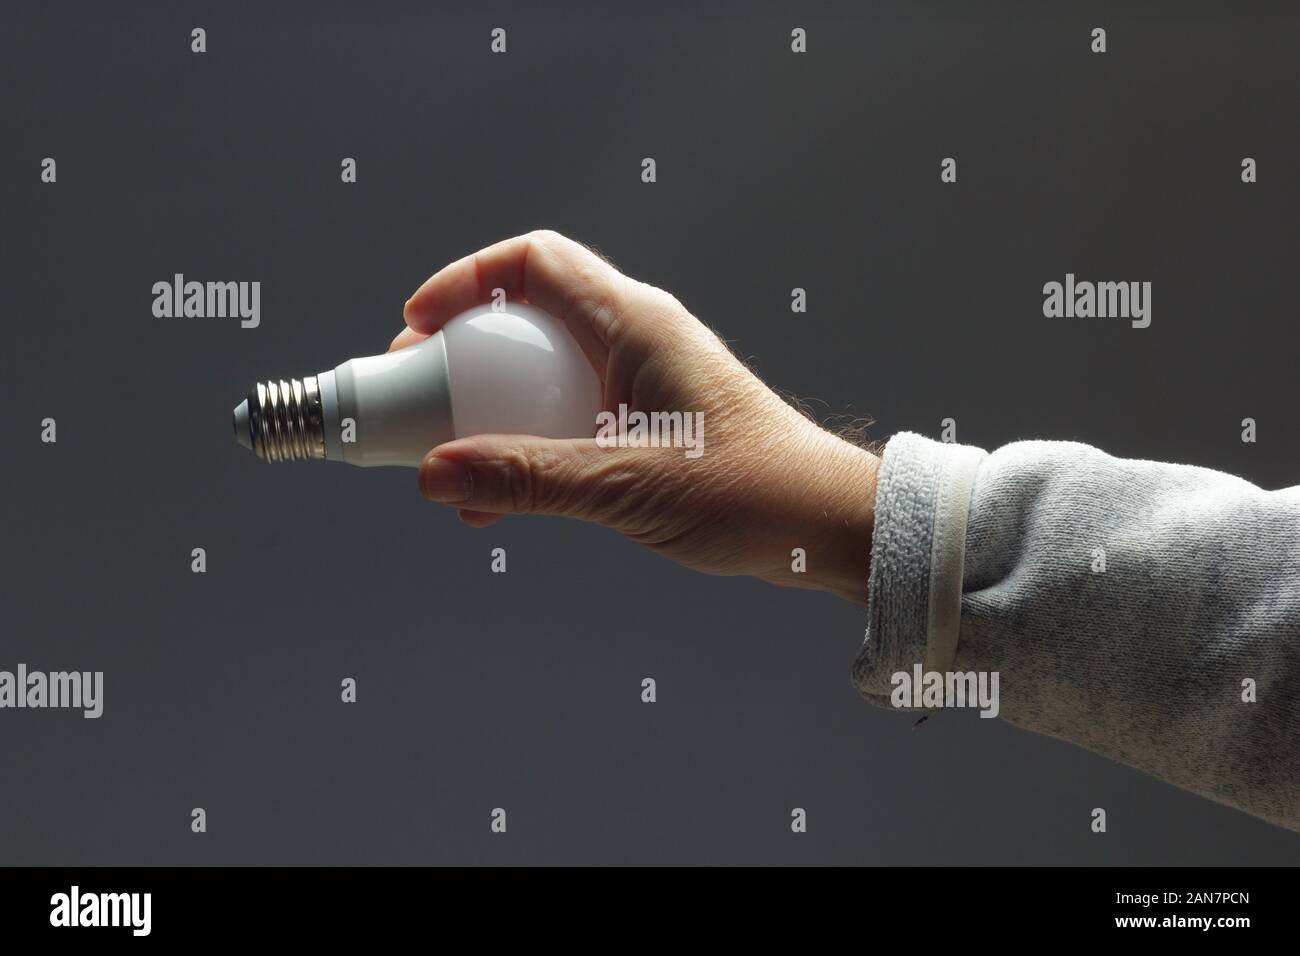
x: 769, y: 479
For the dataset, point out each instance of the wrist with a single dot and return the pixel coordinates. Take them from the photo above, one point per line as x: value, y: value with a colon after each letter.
x: 843, y: 510
x: 852, y: 552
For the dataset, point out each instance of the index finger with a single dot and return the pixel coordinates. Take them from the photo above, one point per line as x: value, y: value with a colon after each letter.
x: 554, y: 273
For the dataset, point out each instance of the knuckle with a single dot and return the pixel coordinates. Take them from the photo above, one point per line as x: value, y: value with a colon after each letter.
x: 546, y: 237
x: 660, y: 300
x: 615, y: 492
x: 527, y: 479
x: 600, y: 306
x: 669, y: 303
x: 518, y: 480
x: 630, y: 491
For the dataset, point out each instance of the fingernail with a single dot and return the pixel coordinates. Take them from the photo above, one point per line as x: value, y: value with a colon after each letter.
x: 444, y: 480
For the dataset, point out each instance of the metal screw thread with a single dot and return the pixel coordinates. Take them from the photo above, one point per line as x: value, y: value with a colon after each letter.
x: 285, y: 420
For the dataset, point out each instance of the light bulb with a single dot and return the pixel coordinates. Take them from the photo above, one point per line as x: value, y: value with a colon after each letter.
x: 509, y: 369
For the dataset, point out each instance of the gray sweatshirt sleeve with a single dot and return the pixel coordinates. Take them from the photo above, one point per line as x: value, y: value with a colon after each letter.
x: 1148, y: 612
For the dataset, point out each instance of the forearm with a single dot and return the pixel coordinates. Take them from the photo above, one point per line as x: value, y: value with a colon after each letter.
x: 1123, y: 604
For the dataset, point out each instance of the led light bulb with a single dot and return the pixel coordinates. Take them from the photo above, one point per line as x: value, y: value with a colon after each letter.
x: 510, y: 369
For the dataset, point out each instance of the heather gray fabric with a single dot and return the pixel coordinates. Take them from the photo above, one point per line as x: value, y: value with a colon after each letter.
x: 1143, y: 662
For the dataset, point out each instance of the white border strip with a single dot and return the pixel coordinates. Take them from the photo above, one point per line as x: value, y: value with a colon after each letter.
x: 948, y: 554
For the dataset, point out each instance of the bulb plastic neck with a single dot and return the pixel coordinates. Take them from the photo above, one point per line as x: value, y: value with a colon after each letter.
x: 388, y: 409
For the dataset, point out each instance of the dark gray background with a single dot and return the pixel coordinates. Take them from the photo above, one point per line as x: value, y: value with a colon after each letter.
x: 522, y: 691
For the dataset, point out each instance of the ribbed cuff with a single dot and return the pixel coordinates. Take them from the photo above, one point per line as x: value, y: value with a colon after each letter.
x: 923, y: 495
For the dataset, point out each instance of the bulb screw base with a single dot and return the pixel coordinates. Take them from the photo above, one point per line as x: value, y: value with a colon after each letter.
x: 282, y: 420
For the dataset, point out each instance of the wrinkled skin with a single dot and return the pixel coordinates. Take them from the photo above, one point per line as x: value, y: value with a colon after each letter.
x: 769, y: 480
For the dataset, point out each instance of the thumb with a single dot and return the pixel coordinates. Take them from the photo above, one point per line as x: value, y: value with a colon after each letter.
x: 520, y: 474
